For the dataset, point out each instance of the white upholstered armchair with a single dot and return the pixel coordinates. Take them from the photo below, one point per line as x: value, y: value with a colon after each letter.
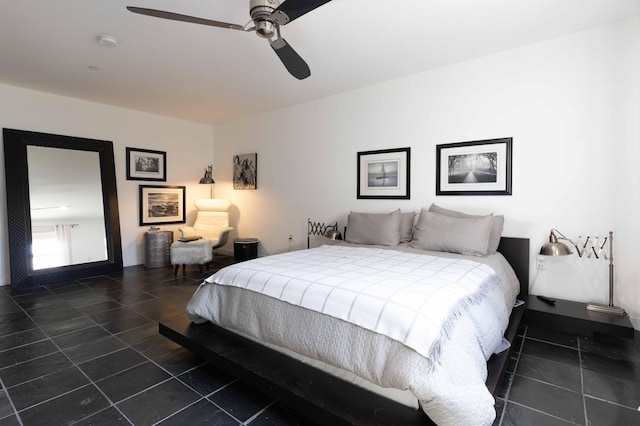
x: 212, y: 224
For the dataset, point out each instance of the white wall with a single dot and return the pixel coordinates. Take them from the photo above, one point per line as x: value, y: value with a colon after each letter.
x: 189, y: 148
x: 571, y: 105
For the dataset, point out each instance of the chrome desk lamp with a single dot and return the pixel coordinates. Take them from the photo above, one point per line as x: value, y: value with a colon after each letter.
x: 590, y: 247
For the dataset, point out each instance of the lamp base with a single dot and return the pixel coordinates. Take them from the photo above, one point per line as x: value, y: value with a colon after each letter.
x: 614, y: 310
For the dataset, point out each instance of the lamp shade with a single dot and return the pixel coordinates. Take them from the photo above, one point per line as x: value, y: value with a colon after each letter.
x: 554, y: 247
x: 208, y: 176
x: 333, y: 234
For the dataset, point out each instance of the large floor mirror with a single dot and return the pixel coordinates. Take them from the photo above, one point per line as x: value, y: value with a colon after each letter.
x: 62, y: 208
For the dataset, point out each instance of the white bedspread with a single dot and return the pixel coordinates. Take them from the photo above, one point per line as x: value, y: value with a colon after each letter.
x: 452, y: 392
x: 412, y: 298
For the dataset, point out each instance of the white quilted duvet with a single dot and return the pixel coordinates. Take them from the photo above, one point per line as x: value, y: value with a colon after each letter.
x: 445, y: 371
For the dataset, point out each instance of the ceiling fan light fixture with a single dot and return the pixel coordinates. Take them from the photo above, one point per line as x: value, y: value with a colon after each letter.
x: 260, y: 12
x: 265, y: 29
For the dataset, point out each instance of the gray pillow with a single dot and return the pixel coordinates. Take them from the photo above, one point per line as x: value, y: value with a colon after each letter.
x: 497, y: 224
x: 374, y: 228
x: 462, y: 235
x: 406, y: 226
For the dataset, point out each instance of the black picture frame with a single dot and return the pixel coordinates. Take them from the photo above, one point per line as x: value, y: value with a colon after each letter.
x: 146, y: 164
x: 162, y: 204
x: 245, y: 171
x: 481, y: 167
x: 384, y: 174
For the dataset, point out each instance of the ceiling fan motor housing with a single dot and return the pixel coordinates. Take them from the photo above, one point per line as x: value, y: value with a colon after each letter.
x: 260, y: 11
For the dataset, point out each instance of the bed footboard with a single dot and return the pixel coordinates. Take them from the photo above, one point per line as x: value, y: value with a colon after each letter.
x: 311, y: 392
x: 303, y: 388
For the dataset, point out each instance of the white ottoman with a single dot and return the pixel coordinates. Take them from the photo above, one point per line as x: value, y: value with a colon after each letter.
x: 197, y: 252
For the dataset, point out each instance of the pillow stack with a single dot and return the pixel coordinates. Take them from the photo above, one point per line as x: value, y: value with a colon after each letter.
x: 374, y: 228
x: 440, y: 229
x: 387, y: 229
x: 406, y: 226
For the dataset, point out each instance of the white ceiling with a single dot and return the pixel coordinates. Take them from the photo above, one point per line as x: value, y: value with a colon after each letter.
x: 214, y: 75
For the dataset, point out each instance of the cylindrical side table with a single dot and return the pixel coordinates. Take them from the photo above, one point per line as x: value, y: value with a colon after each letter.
x: 245, y: 249
x: 157, y: 246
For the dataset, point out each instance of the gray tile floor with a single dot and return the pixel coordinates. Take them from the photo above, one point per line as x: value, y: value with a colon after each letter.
x: 88, y: 352
x: 559, y: 379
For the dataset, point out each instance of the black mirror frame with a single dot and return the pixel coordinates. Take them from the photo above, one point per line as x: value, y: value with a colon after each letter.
x: 19, y: 215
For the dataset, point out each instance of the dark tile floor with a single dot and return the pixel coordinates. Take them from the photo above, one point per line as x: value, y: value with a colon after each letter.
x: 560, y: 379
x: 88, y: 352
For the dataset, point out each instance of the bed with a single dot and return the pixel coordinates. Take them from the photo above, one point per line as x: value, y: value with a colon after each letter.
x: 277, y: 321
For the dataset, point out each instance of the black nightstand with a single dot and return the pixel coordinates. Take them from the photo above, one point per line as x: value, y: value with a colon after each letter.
x: 574, y: 318
x: 245, y: 249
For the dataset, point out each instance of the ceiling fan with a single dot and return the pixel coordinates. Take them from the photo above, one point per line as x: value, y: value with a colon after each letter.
x: 267, y: 17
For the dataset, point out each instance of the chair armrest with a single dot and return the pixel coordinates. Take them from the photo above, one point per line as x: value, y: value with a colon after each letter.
x: 187, y: 231
x: 223, y: 236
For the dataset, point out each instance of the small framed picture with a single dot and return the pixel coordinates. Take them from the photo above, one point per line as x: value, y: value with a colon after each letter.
x: 144, y: 164
x: 161, y: 205
x: 245, y: 171
x: 474, y: 168
x: 384, y: 174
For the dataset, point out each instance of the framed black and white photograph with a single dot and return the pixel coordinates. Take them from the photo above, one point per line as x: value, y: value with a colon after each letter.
x: 245, y: 171
x: 474, y: 168
x: 145, y: 164
x: 384, y: 174
x: 161, y: 205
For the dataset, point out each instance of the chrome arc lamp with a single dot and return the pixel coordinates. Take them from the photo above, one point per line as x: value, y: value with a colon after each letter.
x: 590, y: 247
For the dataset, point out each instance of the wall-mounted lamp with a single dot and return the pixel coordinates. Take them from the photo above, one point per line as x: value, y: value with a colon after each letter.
x: 590, y: 247
x: 332, y: 232
x: 329, y: 231
x: 554, y: 247
x: 208, y: 179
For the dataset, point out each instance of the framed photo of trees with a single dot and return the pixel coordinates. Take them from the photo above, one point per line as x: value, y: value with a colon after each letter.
x: 474, y: 168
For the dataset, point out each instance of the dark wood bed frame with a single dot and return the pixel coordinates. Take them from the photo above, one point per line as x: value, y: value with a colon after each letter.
x: 315, y: 394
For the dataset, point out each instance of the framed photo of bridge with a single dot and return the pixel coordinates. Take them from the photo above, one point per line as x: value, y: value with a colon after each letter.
x: 474, y: 168
x: 384, y: 174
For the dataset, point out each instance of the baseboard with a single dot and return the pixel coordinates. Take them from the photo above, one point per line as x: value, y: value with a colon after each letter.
x: 635, y: 322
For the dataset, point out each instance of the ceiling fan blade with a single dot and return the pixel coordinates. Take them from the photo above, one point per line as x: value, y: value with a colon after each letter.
x: 293, y: 9
x: 183, y: 18
x: 291, y: 60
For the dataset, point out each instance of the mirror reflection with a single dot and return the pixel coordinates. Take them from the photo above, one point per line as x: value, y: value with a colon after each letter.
x: 66, y: 206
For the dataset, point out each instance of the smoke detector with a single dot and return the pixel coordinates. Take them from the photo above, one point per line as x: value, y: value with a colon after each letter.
x: 107, y: 40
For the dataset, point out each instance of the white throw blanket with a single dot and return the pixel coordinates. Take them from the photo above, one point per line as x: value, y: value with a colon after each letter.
x: 411, y: 298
